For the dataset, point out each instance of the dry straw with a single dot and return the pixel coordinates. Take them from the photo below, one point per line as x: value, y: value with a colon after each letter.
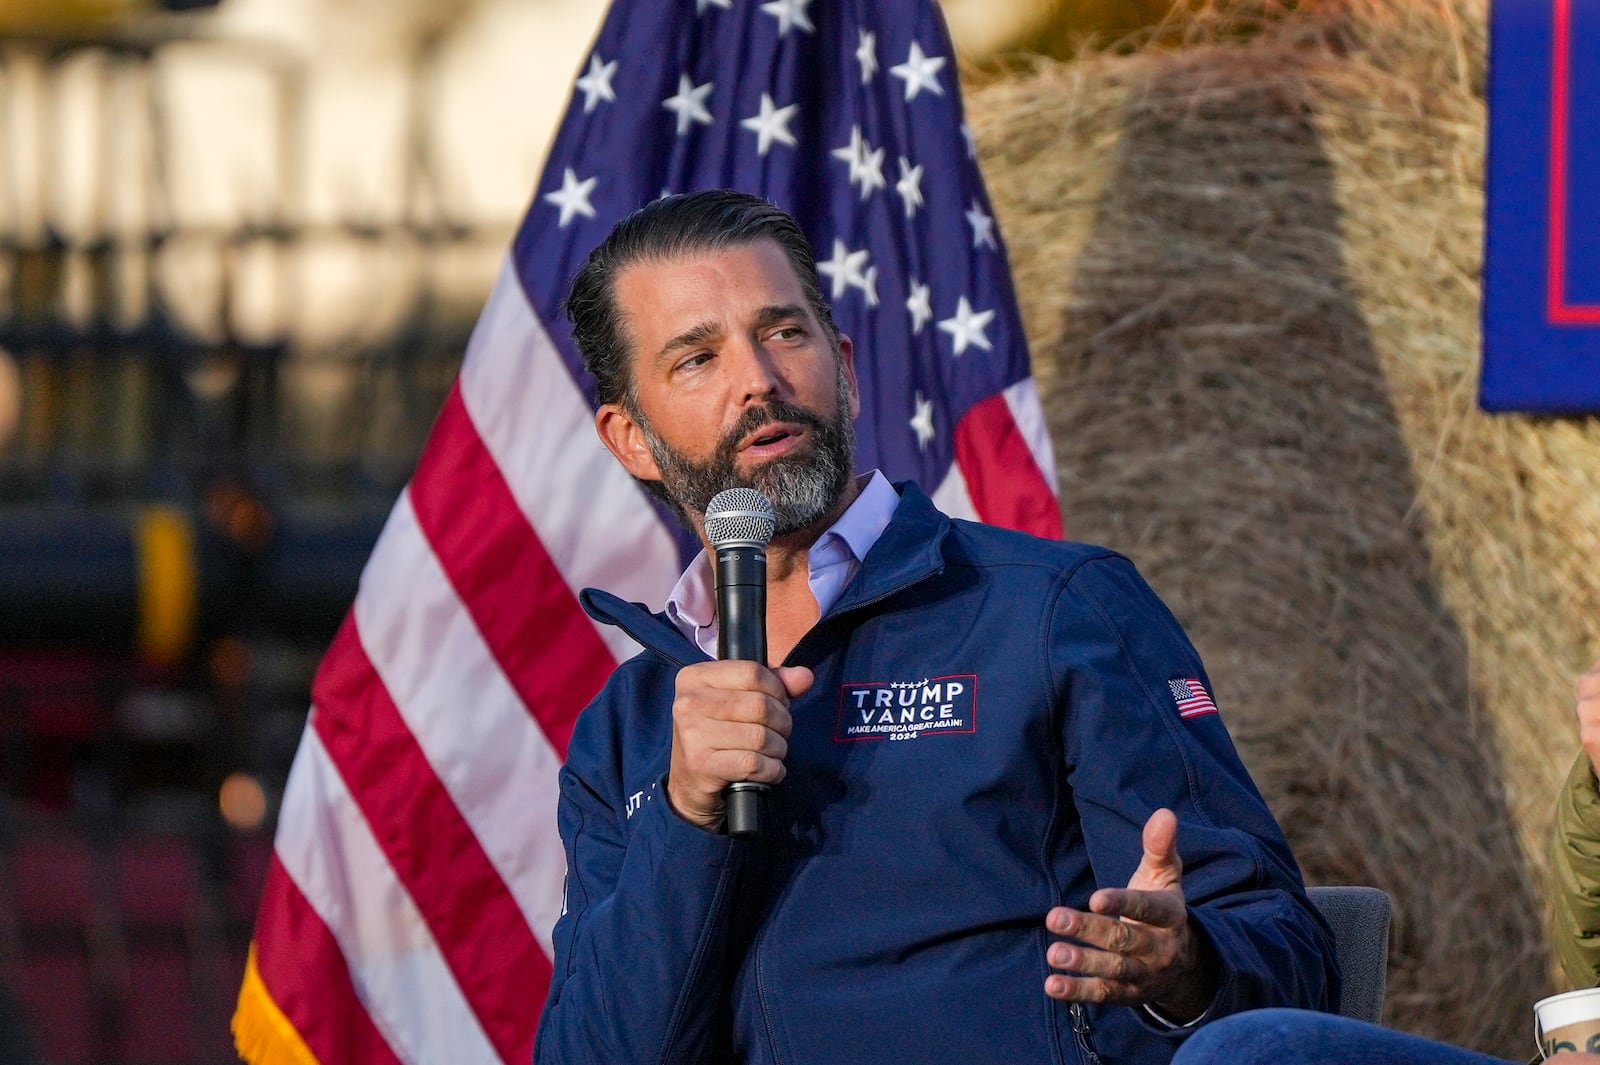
x: 1250, y: 271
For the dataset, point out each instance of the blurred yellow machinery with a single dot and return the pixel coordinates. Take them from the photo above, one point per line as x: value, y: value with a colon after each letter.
x: 89, y: 17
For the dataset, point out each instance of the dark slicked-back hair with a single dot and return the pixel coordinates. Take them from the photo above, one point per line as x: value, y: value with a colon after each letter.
x: 668, y: 228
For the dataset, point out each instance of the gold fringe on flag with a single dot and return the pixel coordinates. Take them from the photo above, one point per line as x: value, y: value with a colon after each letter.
x: 261, y: 1032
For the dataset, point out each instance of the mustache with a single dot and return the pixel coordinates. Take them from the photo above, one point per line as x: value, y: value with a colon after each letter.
x: 754, y: 418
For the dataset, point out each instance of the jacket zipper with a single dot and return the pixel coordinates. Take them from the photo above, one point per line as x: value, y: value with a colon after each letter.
x: 1080, y: 1031
x: 834, y: 615
x: 756, y: 950
x: 765, y: 1006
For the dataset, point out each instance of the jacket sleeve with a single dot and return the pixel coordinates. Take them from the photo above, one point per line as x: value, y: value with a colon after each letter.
x: 1129, y: 752
x: 1577, y: 875
x: 640, y: 944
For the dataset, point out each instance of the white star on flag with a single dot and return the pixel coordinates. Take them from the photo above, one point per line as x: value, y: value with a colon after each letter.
x: 922, y: 421
x: 772, y: 124
x: 596, y: 84
x: 572, y: 197
x: 866, y: 163
x: 919, y: 72
x: 920, y: 304
x: 909, y: 186
x: 790, y: 13
x: 689, y: 104
x: 872, y: 171
x: 972, y: 142
x: 967, y: 327
x: 867, y: 55
x: 701, y: 5
x: 851, y: 153
x: 848, y: 269
x: 982, y: 227
x: 869, y: 284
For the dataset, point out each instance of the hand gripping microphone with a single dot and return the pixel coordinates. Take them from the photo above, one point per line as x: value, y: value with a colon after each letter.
x: 739, y: 524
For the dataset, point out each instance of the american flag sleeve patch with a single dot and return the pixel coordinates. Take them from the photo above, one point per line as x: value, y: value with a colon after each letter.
x: 1191, y: 697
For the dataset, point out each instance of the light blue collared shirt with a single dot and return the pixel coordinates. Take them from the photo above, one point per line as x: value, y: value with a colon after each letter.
x: 833, y: 560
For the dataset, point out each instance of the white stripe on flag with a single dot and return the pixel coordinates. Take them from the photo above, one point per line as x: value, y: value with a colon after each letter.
x: 470, y: 723
x: 1026, y: 410
x: 538, y: 427
x: 952, y: 495
x: 328, y: 850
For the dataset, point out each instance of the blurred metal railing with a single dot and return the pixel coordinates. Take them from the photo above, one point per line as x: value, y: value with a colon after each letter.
x: 158, y: 361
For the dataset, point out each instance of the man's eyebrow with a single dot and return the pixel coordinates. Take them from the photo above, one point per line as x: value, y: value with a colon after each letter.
x: 775, y: 313
x: 695, y: 334
x: 767, y: 316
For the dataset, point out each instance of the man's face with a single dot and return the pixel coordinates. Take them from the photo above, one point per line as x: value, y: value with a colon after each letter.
x: 802, y: 484
x: 737, y: 384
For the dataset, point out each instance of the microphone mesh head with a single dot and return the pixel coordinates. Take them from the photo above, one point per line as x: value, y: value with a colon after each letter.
x: 739, y: 517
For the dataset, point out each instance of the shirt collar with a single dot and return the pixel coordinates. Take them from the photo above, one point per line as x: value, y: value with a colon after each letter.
x: 692, y: 607
x: 859, y: 527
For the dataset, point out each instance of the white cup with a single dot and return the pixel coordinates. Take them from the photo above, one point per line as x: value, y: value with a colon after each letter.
x: 1569, y: 1021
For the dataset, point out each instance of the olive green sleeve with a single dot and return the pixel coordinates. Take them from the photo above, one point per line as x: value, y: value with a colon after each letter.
x: 1577, y: 875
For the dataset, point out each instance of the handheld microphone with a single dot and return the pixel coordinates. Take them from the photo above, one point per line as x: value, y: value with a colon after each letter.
x: 739, y: 524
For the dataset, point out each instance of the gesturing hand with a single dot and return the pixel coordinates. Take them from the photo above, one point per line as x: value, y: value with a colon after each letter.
x: 1135, y: 944
x: 730, y: 721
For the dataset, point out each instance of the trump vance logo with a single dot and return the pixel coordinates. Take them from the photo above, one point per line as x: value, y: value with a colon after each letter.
x: 908, y: 709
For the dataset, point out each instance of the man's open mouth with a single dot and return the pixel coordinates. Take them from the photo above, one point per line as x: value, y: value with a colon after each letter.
x: 770, y: 435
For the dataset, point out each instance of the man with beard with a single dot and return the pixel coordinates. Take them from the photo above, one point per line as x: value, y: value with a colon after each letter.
x: 936, y: 899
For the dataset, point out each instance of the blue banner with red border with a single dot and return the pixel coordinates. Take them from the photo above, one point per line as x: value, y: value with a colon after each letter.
x: 1541, y: 301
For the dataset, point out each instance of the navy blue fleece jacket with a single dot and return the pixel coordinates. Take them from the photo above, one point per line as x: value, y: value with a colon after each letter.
x: 991, y: 725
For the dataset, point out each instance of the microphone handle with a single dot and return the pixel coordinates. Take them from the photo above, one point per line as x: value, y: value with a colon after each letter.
x: 742, y: 636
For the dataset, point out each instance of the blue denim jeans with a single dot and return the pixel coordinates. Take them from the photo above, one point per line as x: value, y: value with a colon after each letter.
x: 1303, y: 1037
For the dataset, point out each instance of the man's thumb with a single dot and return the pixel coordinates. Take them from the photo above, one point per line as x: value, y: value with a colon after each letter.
x: 796, y: 680
x: 1160, y: 867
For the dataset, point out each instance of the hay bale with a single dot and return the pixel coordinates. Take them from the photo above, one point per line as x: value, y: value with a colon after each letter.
x: 1250, y: 272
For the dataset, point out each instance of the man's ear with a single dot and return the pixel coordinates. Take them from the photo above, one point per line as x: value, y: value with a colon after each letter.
x: 625, y: 438
x: 847, y: 356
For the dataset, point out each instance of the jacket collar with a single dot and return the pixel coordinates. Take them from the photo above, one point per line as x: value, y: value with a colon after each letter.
x: 653, y: 631
x: 908, y: 551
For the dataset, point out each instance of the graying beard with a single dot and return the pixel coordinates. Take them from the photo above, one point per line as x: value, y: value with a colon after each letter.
x: 801, y: 489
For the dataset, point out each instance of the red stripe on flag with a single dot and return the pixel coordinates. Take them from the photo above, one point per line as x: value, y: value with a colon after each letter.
x: 482, y: 934
x: 304, y: 970
x: 513, y: 589
x: 1003, y: 478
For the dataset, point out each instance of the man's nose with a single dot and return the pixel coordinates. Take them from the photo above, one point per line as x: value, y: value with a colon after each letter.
x: 758, y: 373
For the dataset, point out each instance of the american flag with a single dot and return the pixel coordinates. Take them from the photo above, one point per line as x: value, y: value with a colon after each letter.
x: 1191, y: 696
x: 417, y: 871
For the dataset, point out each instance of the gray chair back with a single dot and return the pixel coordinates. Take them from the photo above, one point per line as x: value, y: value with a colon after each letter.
x: 1360, y: 920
